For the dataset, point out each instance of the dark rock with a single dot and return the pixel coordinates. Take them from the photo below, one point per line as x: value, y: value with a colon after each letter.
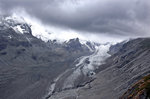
x: 3, y: 53
x: 3, y: 46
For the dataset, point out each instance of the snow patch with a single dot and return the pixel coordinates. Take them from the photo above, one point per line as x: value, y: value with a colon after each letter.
x: 9, y: 36
x: 18, y: 29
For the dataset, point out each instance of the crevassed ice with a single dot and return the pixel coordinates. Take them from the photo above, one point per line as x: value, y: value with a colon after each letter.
x: 95, y: 60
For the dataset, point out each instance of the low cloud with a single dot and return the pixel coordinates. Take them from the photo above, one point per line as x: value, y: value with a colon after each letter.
x: 111, y: 17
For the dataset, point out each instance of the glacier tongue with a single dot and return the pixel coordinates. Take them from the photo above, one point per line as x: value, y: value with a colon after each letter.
x: 87, y: 65
x: 84, y: 68
x: 90, y: 63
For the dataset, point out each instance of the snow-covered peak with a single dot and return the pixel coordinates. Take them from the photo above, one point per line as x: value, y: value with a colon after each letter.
x: 18, y: 24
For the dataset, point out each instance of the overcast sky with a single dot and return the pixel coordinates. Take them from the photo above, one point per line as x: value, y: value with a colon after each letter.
x: 113, y: 18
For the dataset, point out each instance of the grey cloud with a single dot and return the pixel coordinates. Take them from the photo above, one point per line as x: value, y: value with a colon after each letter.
x: 116, y: 17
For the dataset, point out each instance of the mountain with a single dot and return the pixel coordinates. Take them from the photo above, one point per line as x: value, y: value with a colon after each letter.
x: 29, y: 66
x: 34, y: 68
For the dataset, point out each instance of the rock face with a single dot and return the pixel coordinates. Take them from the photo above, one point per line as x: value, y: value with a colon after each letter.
x: 115, y: 48
x: 29, y: 65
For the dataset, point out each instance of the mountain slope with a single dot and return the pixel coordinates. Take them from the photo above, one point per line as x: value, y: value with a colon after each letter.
x: 121, y: 70
x: 126, y: 66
